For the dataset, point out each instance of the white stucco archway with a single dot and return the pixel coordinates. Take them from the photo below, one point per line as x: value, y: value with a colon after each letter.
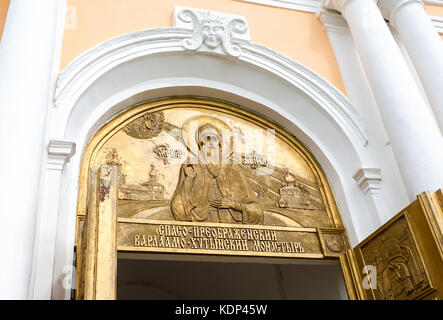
x: 153, y: 64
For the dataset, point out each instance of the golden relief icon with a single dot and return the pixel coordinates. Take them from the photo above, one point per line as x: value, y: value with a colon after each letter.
x: 214, y: 189
x: 400, y: 270
x: 198, y: 165
x: 198, y: 176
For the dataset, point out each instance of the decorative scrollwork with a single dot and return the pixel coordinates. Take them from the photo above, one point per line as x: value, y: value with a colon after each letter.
x: 235, y: 26
x: 212, y: 30
x: 196, y: 41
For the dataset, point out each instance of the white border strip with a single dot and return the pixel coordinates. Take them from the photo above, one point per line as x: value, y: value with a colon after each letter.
x: 434, y: 2
x: 299, y: 5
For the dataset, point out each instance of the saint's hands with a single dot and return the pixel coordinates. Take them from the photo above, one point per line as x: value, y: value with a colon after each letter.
x: 225, y: 204
x: 189, y: 171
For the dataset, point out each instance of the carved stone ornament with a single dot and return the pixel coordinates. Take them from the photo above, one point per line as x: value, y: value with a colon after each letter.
x: 212, y: 31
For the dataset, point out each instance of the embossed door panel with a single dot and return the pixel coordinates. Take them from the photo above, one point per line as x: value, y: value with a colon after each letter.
x: 403, y: 259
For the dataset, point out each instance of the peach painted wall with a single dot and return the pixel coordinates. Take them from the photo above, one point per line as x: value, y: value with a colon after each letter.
x: 4, y: 5
x: 434, y: 10
x: 298, y: 35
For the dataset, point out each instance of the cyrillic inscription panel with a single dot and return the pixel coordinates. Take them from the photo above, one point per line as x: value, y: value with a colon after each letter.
x: 204, y: 238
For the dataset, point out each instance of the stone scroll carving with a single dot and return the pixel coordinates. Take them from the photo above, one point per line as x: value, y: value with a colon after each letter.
x: 212, y: 31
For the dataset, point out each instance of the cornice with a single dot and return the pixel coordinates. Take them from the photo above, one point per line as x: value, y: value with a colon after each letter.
x: 438, y: 23
x: 368, y: 179
x: 211, y: 31
x: 299, y: 5
x: 59, y: 153
x: 332, y: 21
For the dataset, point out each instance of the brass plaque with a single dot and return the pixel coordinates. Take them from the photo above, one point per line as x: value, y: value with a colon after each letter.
x: 210, y: 165
x: 207, y: 238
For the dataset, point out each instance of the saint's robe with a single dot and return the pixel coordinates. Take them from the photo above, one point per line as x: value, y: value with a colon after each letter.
x: 196, y: 185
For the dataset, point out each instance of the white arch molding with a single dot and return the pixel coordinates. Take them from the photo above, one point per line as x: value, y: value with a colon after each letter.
x: 153, y: 64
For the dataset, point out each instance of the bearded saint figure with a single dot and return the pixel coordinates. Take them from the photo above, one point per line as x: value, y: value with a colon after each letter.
x: 213, y: 190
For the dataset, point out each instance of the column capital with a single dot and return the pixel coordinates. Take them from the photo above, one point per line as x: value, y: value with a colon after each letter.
x: 334, y: 4
x: 389, y: 7
x: 59, y: 153
x: 339, y: 5
x: 332, y: 21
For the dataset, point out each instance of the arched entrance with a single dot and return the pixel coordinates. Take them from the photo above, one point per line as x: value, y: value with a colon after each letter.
x: 125, y: 71
x: 228, y: 278
x: 200, y: 177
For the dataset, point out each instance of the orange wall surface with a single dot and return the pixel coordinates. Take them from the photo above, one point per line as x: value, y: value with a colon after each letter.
x: 4, y: 5
x: 435, y: 11
x: 299, y: 35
